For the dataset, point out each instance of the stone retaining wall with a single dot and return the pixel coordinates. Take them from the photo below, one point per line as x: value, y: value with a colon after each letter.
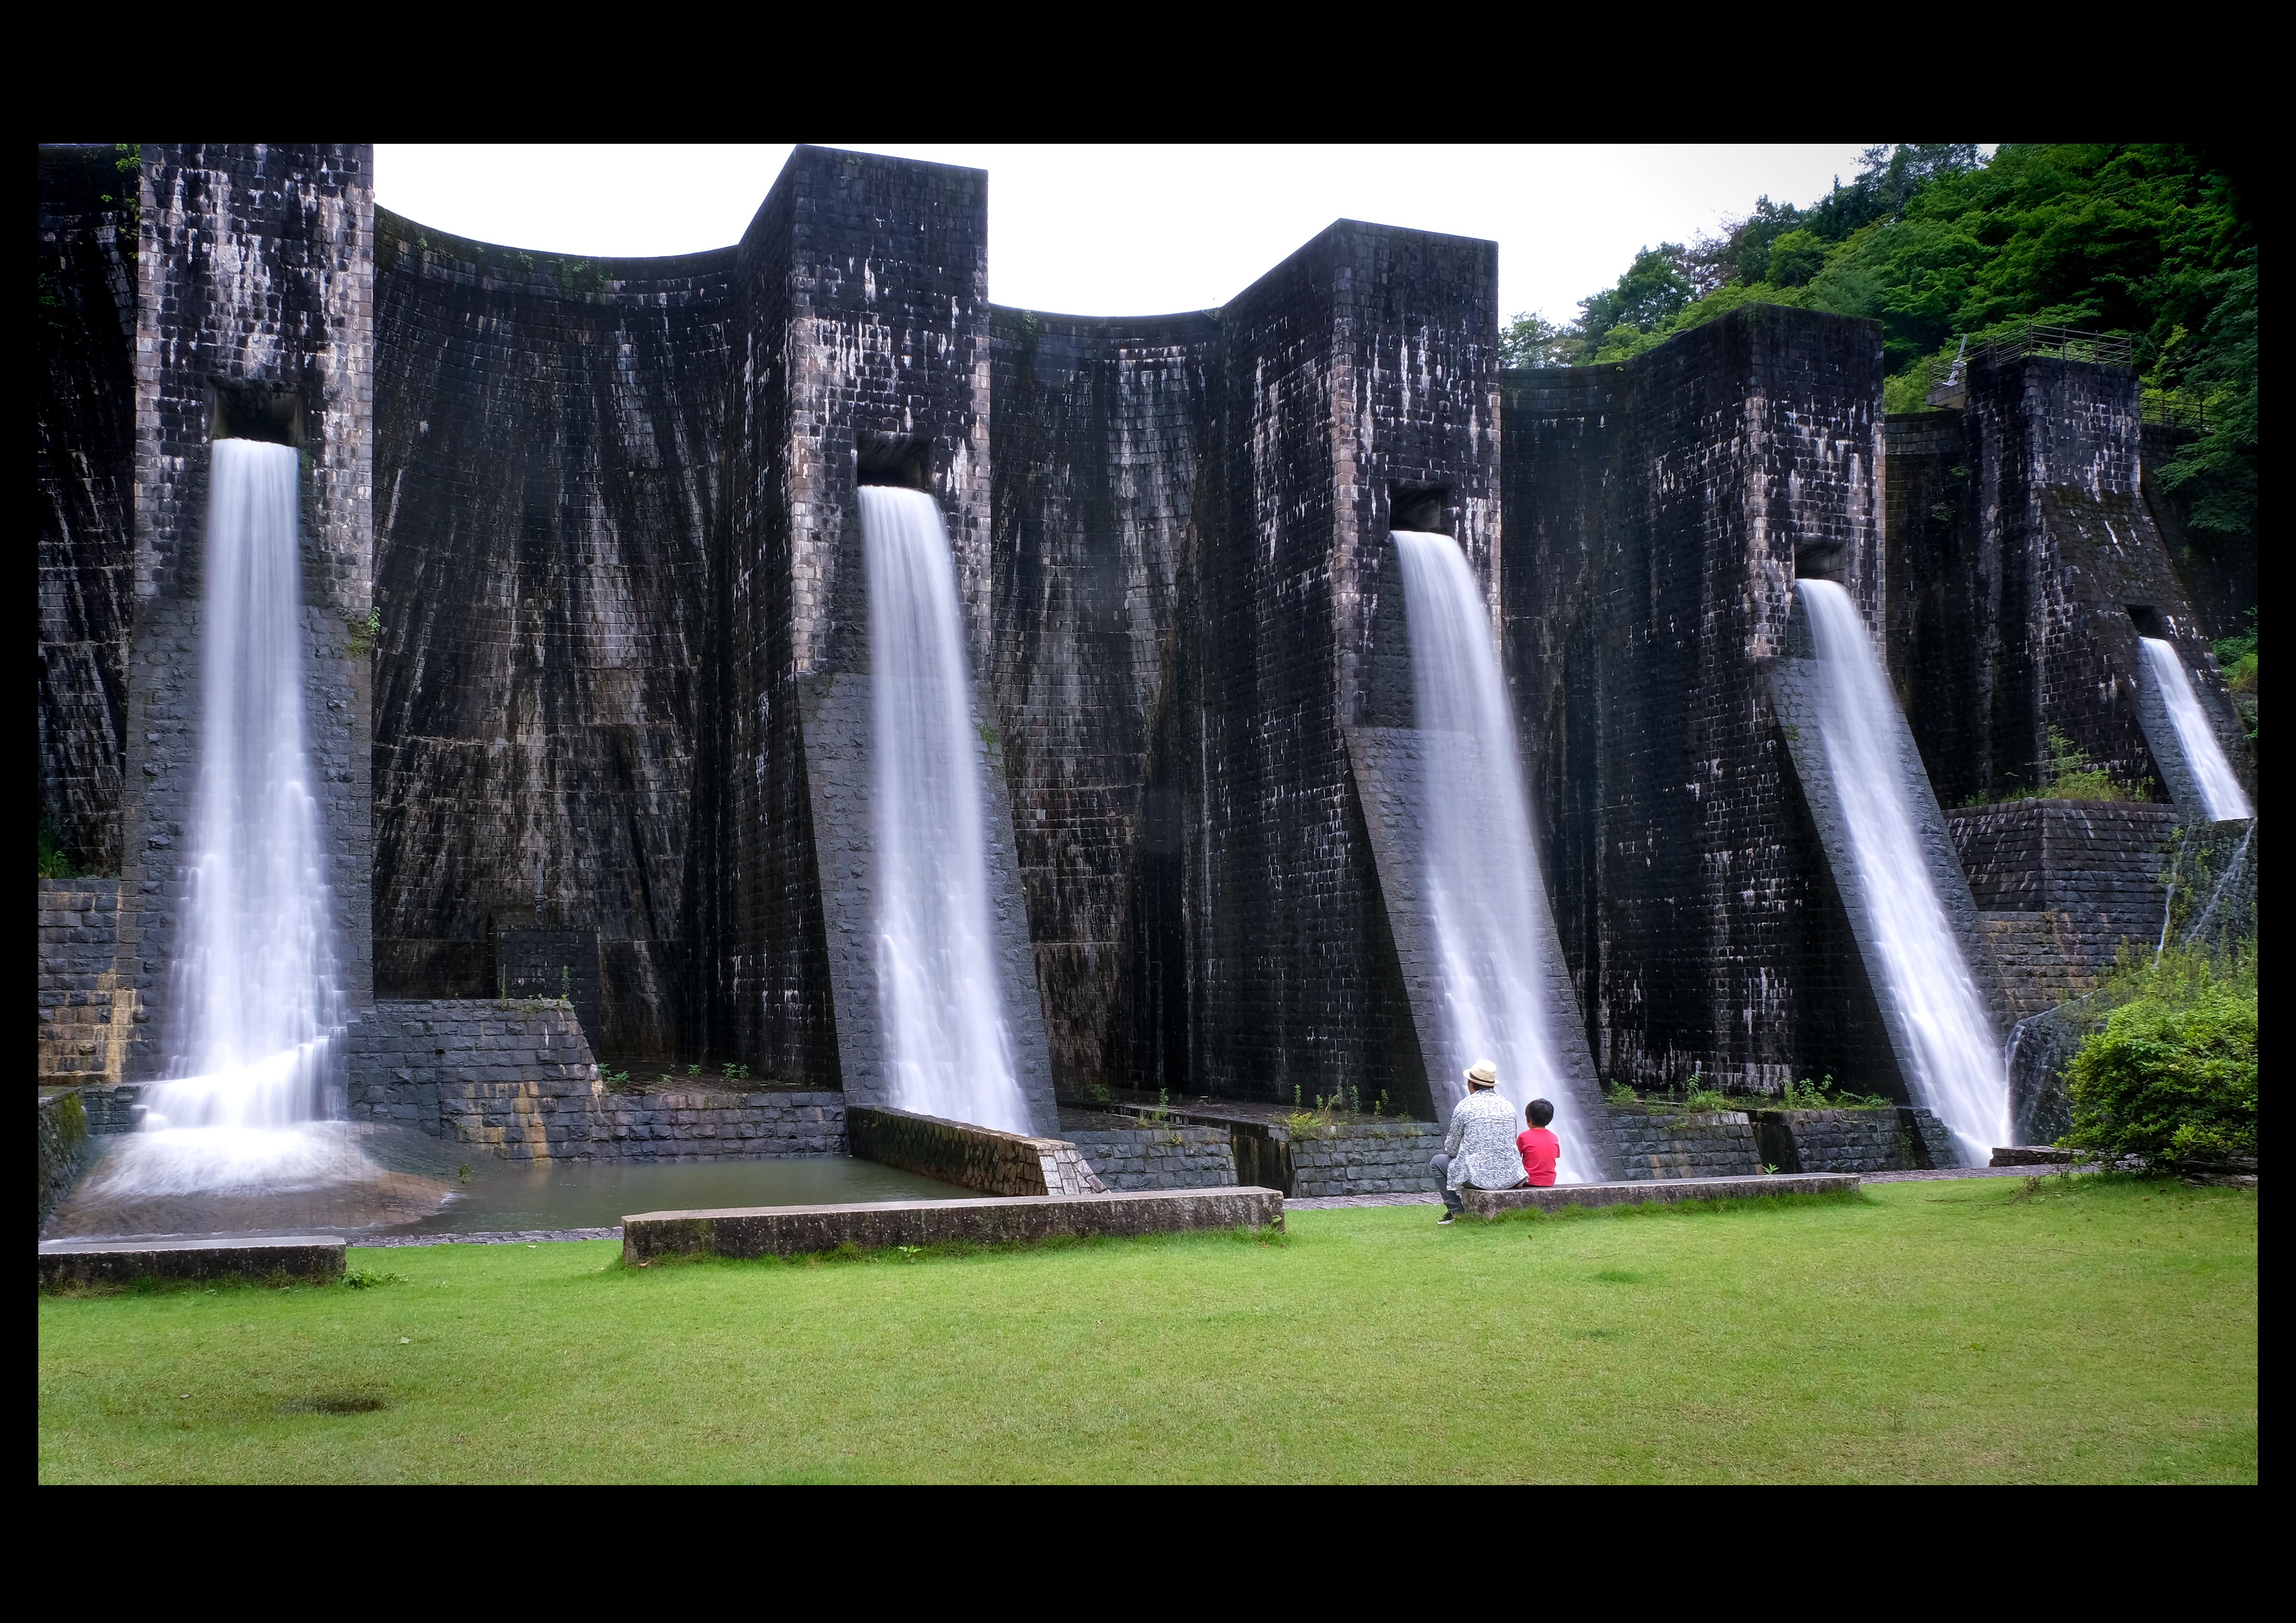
x: 63, y: 1148
x: 1385, y: 1158
x: 1845, y: 1141
x: 976, y: 1157
x: 1164, y: 1156
x: 85, y: 1014
x: 517, y: 1080
x: 1666, y: 1145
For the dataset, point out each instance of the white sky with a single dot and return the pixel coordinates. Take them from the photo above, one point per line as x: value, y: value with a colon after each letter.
x: 1143, y: 230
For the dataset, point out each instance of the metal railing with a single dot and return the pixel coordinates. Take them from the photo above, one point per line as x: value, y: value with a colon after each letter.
x: 2176, y: 408
x: 2029, y: 338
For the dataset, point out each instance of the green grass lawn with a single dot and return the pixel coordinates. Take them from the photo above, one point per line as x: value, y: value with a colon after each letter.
x: 1928, y: 1332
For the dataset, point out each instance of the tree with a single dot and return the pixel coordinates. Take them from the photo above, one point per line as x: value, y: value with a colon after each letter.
x: 1530, y: 339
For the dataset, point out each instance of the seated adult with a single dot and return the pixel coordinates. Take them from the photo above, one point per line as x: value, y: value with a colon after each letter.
x: 1479, y: 1151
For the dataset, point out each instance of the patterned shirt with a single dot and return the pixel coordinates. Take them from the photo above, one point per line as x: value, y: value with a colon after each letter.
x: 1480, y: 1143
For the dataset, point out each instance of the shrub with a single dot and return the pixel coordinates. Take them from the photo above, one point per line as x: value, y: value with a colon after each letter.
x: 2171, y: 1073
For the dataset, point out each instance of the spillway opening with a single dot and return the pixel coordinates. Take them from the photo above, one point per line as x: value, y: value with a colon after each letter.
x: 2149, y: 621
x: 901, y: 461
x: 259, y: 412
x: 1423, y: 508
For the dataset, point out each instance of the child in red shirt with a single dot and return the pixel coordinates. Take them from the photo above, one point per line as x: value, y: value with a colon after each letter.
x: 1540, y: 1149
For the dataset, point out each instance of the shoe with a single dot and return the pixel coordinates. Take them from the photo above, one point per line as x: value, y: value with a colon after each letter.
x: 1445, y: 1217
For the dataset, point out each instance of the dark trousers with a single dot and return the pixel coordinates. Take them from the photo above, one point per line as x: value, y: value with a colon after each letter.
x: 1442, y: 1164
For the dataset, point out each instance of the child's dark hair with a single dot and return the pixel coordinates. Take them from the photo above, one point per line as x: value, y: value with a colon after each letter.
x: 1539, y: 1112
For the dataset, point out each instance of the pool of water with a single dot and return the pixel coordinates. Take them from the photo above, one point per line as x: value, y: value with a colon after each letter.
x: 384, y: 1181
x: 505, y: 1195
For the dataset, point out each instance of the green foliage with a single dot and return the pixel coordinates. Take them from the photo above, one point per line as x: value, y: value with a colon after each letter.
x: 364, y: 1279
x: 2171, y: 1075
x: 2066, y: 773
x: 1618, y: 1092
x: 1530, y: 339
x: 55, y: 862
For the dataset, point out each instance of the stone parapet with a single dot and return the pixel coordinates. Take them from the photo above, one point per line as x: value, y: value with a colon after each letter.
x: 1487, y: 1203
x: 976, y: 1157
x: 789, y: 1231
x: 314, y: 1257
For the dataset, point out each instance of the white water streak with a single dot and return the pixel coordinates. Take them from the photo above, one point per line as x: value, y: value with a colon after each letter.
x: 2221, y: 795
x: 948, y: 1052
x: 1484, y: 893
x: 1957, y: 1070
x: 254, y: 1002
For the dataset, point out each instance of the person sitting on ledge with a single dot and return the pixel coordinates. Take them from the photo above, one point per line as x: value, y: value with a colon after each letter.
x: 1479, y: 1150
x: 1541, y: 1150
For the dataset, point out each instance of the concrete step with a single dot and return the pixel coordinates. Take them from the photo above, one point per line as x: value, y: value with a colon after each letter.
x: 1654, y: 1192
x: 117, y: 1262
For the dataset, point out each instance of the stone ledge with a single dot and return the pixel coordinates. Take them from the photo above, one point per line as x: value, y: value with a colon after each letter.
x: 1653, y: 1192
x: 119, y: 1263
x: 791, y: 1231
x: 2033, y: 1155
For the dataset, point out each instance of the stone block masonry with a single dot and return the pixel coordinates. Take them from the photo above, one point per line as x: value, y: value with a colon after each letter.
x: 975, y: 1157
x: 1125, y: 1153
x: 86, y: 1015
x: 85, y: 413
x: 516, y: 1080
x: 547, y: 433
x: 1657, y: 514
x: 1900, y: 1140
x: 256, y: 278
x: 2030, y: 558
x: 1686, y: 1144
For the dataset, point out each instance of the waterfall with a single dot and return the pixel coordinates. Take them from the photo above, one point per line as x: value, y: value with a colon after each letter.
x: 1485, y: 898
x: 948, y: 1050
x: 1956, y: 1064
x: 2221, y: 795
x: 254, y: 1004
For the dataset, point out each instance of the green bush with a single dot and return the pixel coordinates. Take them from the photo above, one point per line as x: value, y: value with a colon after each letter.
x: 2171, y: 1073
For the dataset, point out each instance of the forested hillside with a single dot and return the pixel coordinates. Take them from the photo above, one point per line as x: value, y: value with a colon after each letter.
x: 1938, y: 244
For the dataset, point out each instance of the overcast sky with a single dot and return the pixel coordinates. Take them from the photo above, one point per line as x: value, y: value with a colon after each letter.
x: 1143, y: 230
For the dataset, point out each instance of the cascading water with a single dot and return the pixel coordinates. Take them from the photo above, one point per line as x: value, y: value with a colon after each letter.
x: 254, y: 1005
x: 948, y: 1050
x: 1957, y: 1068
x: 1484, y: 893
x: 2221, y: 795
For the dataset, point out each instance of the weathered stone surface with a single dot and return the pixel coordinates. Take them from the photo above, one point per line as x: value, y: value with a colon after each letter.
x: 1657, y: 514
x: 1125, y: 1154
x: 85, y: 422
x: 787, y: 1231
x: 975, y: 1157
x: 547, y: 433
x: 256, y: 280
x: 2022, y: 544
x: 2033, y: 1155
x: 63, y: 1147
x: 85, y: 1014
x: 1497, y: 1202
x: 1685, y: 1144
x: 71, y: 1262
x: 1905, y: 1139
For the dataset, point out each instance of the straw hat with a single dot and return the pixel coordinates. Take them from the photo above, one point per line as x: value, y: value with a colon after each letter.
x: 1482, y: 1073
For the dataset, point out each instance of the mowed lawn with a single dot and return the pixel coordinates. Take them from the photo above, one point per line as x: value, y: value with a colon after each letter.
x: 1930, y: 1332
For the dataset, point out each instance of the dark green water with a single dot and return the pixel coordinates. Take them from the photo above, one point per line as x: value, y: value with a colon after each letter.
x: 598, y: 1194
